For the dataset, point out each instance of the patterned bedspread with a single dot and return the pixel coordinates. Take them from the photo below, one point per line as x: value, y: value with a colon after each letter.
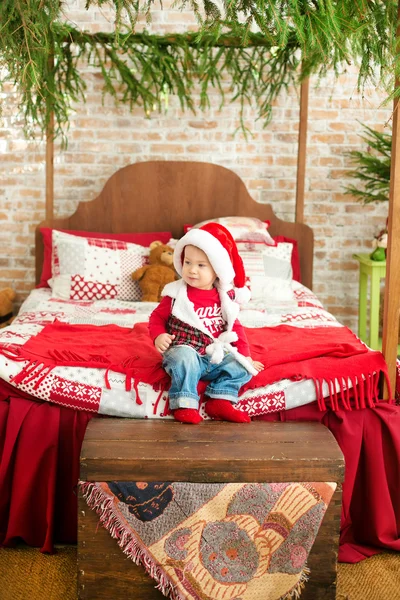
x: 84, y: 388
x: 247, y: 541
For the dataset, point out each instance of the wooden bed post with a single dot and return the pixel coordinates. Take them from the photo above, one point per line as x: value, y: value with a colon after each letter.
x: 50, y: 169
x: 301, y: 151
x: 391, y: 312
x: 50, y: 150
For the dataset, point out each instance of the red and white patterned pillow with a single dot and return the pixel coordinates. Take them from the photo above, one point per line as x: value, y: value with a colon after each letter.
x: 268, y: 270
x: 248, y: 229
x: 95, y: 269
x: 271, y: 261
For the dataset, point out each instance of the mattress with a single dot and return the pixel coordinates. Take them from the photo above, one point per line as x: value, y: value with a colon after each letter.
x: 85, y: 389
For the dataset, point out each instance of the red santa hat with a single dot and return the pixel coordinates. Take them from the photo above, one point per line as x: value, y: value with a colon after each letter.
x: 221, y: 250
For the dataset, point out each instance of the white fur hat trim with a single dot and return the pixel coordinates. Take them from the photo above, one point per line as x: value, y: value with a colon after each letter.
x: 215, y: 251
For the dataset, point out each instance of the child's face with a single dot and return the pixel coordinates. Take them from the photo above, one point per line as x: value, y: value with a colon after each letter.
x: 197, y: 270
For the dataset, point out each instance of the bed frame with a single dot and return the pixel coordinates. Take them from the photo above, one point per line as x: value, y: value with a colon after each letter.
x: 166, y: 195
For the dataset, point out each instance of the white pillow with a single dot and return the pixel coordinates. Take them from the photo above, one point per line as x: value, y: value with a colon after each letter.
x: 270, y: 289
x: 95, y: 269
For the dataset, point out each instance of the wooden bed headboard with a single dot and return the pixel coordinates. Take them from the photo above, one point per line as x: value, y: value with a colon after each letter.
x: 166, y: 195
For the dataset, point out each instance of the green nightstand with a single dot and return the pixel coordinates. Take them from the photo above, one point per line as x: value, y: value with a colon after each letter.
x: 376, y: 270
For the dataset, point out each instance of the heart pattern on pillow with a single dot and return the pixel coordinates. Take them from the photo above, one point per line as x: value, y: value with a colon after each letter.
x: 91, y: 290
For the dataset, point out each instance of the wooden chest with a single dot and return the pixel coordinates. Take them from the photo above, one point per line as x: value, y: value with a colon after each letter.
x: 133, y: 450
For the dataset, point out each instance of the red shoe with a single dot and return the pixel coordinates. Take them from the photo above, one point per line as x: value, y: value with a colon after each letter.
x: 187, y: 415
x: 223, y: 410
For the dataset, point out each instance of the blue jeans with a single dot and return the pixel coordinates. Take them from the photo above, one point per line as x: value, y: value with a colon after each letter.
x: 186, y: 367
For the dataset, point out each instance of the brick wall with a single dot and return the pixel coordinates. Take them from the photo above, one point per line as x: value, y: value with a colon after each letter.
x: 103, y: 138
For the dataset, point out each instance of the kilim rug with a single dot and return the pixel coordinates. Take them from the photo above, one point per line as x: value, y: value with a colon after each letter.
x: 235, y: 541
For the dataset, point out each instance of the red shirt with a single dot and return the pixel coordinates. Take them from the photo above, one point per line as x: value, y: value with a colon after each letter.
x: 207, y: 306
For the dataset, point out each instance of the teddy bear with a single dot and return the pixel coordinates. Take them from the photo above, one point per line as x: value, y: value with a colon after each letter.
x: 153, y: 277
x: 7, y: 295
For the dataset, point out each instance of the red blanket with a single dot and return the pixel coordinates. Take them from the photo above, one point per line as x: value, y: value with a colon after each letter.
x: 331, y: 355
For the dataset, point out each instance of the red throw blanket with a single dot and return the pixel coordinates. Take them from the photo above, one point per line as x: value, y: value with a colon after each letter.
x: 332, y: 355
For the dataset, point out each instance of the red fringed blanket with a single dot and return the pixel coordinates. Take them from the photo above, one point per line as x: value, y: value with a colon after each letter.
x: 331, y: 355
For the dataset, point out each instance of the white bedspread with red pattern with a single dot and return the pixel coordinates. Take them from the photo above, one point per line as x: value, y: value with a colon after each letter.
x: 84, y: 388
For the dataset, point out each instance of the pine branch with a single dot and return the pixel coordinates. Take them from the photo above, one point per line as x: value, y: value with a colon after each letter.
x: 372, y: 170
x: 326, y: 34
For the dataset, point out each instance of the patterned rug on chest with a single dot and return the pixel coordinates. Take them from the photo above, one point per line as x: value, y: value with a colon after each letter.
x: 235, y: 541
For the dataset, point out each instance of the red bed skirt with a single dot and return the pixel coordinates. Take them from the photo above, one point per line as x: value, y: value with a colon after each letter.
x: 40, y: 445
x: 39, y: 467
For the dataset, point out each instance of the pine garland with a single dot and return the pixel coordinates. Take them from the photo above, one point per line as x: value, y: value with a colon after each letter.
x: 41, y: 55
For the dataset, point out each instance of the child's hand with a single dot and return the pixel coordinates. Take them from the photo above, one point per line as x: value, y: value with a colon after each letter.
x: 256, y: 364
x: 163, y: 341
